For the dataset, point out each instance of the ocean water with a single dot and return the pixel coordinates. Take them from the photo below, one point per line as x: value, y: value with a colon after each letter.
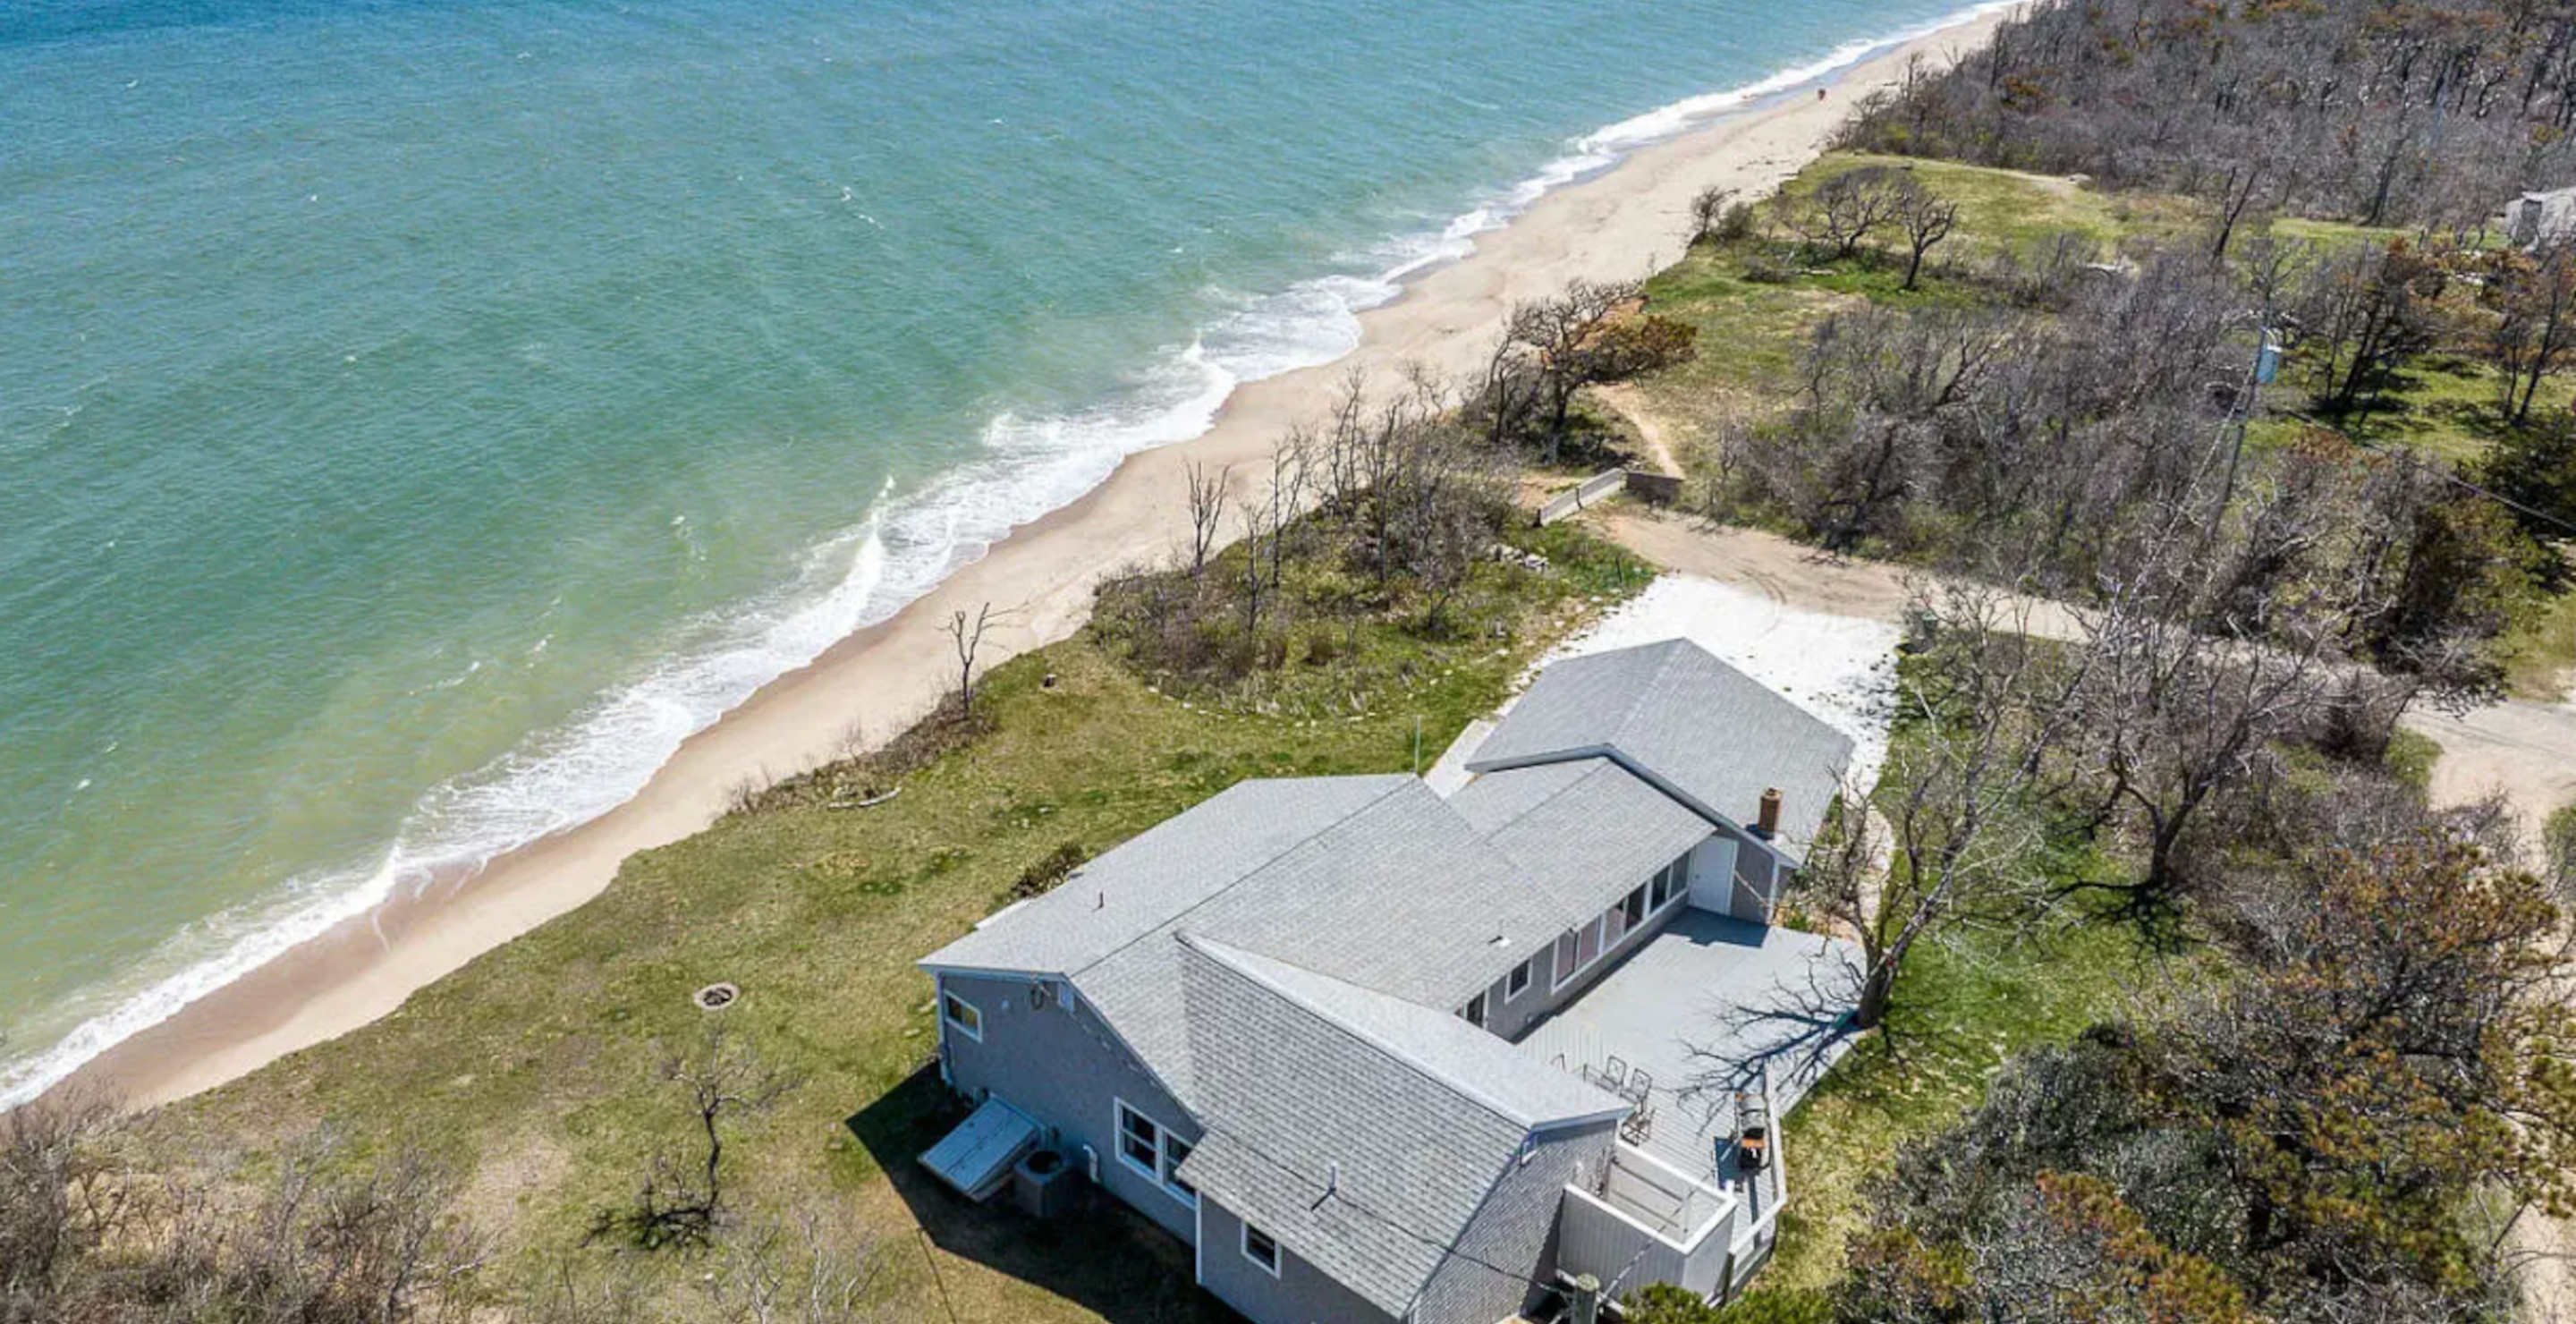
x: 416, y: 418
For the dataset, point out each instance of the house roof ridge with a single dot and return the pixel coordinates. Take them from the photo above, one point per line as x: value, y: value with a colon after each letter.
x: 1228, y: 956
x: 1572, y: 909
x: 1395, y: 786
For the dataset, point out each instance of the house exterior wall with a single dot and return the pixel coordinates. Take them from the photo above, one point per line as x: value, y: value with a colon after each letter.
x: 1515, y: 1228
x: 1301, y: 1294
x: 1540, y: 1001
x: 1065, y: 1068
x: 1754, y: 892
x: 1508, y: 1016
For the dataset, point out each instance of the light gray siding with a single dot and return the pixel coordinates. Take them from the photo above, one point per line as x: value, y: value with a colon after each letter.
x: 1758, y: 877
x: 1301, y: 1294
x: 1065, y: 1068
x: 1515, y: 1229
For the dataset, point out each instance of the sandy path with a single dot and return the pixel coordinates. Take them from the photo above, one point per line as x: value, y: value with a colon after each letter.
x: 2524, y: 750
x: 1651, y: 426
x: 1623, y: 223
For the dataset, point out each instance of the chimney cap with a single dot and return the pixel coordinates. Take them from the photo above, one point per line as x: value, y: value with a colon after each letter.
x: 1768, y: 823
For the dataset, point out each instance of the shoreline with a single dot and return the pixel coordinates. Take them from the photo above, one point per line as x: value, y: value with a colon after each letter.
x: 1624, y: 219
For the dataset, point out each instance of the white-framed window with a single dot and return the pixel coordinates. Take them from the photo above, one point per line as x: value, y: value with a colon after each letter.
x: 962, y: 1016
x: 1632, y: 909
x: 1518, y: 981
x: 1260, y: 1248
x: 1152, y: 1152
x: 1577, y: 949
x: 1474, y: 1011
x: 1671, y: 884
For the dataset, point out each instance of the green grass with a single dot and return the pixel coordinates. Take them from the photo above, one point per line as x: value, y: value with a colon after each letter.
x: 530, y: 1070
x: 1963, y: 1009
x: 1966, y: 1002
x: 2445, y: 405
x: 2011, y: 210
x: 2540, y: 651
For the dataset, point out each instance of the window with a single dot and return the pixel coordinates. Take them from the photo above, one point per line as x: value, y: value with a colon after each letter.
x: 1519, y: 980
x: 1140, y: 1142
x: 1259, y: 1248
x: 1474, y: 1011
x: 1578, y: 948
x: 1153, y: 1152
x: 1671, y: 882
x: 964, y: 1015
x: 1632, y: 908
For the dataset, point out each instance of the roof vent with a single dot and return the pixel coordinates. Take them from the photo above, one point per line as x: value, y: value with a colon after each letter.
x: 1768, y: 825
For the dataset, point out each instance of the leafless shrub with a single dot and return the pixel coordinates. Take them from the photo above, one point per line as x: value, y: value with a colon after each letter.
x: 681, y: 1200
x: 966, y: 637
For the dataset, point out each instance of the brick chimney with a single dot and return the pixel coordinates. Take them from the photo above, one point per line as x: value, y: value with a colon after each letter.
x: 1769, y: 822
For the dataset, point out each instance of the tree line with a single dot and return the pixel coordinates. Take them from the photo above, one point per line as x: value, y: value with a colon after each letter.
x: 2430, y: 115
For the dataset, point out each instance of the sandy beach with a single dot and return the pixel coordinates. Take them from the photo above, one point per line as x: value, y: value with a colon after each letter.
x: 1626, y: 222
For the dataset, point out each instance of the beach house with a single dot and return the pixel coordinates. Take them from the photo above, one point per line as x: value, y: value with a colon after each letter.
x: 1395, y: 1049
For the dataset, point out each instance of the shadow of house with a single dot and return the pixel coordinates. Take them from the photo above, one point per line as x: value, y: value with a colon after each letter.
x: 1100, y: 1254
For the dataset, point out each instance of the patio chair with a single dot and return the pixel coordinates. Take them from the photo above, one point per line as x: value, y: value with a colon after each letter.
x: 1641, y: 1083
x: 1637, y: 1126
x: 1614, y: 1075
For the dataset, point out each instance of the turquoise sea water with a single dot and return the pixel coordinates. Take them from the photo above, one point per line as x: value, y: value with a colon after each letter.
x: 415, y: 418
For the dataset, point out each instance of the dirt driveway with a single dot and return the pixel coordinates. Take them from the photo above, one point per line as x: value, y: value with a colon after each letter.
x: 2526, y: 750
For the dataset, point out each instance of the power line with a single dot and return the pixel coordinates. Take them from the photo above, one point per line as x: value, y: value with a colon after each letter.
x: 2405, y: 456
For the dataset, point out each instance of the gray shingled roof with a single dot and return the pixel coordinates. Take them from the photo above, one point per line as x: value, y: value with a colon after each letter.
x: 1161, y: 872
x: 1372, y: 880
x: 1685, y: 721
x: 1588, y: 830
x: 1362, y: 1131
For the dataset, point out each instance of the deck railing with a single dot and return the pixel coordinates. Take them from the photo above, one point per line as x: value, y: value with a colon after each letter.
x: 1650, y: 1223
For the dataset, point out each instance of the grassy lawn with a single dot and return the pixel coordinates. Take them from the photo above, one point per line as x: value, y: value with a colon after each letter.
x: 2445, y: 405
x: 2002, y: 210
x: 2540, y: 652
x: 531, y: 1070
x: 1963, y: 1009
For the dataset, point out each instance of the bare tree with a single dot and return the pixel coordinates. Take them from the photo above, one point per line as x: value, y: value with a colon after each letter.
x: 90, y: 1229
x: 1927, y: 219
x: 2371, y: 309
x: 1207, y: 512
x: 772, y: 1277
x: 1844, y: 211
x: 1940, y: 846
x: 966, y: 636
x: 681, y: 1201
x: 60, y: 1195
x: 2534, y: 298
x: 2235, y: 196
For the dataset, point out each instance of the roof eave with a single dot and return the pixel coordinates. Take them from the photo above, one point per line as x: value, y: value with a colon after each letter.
x: 932, y: 965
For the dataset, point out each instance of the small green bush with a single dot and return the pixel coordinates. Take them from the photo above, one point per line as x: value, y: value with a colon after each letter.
x: 1050, y: 870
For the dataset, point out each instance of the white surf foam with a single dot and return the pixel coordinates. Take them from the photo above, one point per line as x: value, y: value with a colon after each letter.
x: 906, y: 544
